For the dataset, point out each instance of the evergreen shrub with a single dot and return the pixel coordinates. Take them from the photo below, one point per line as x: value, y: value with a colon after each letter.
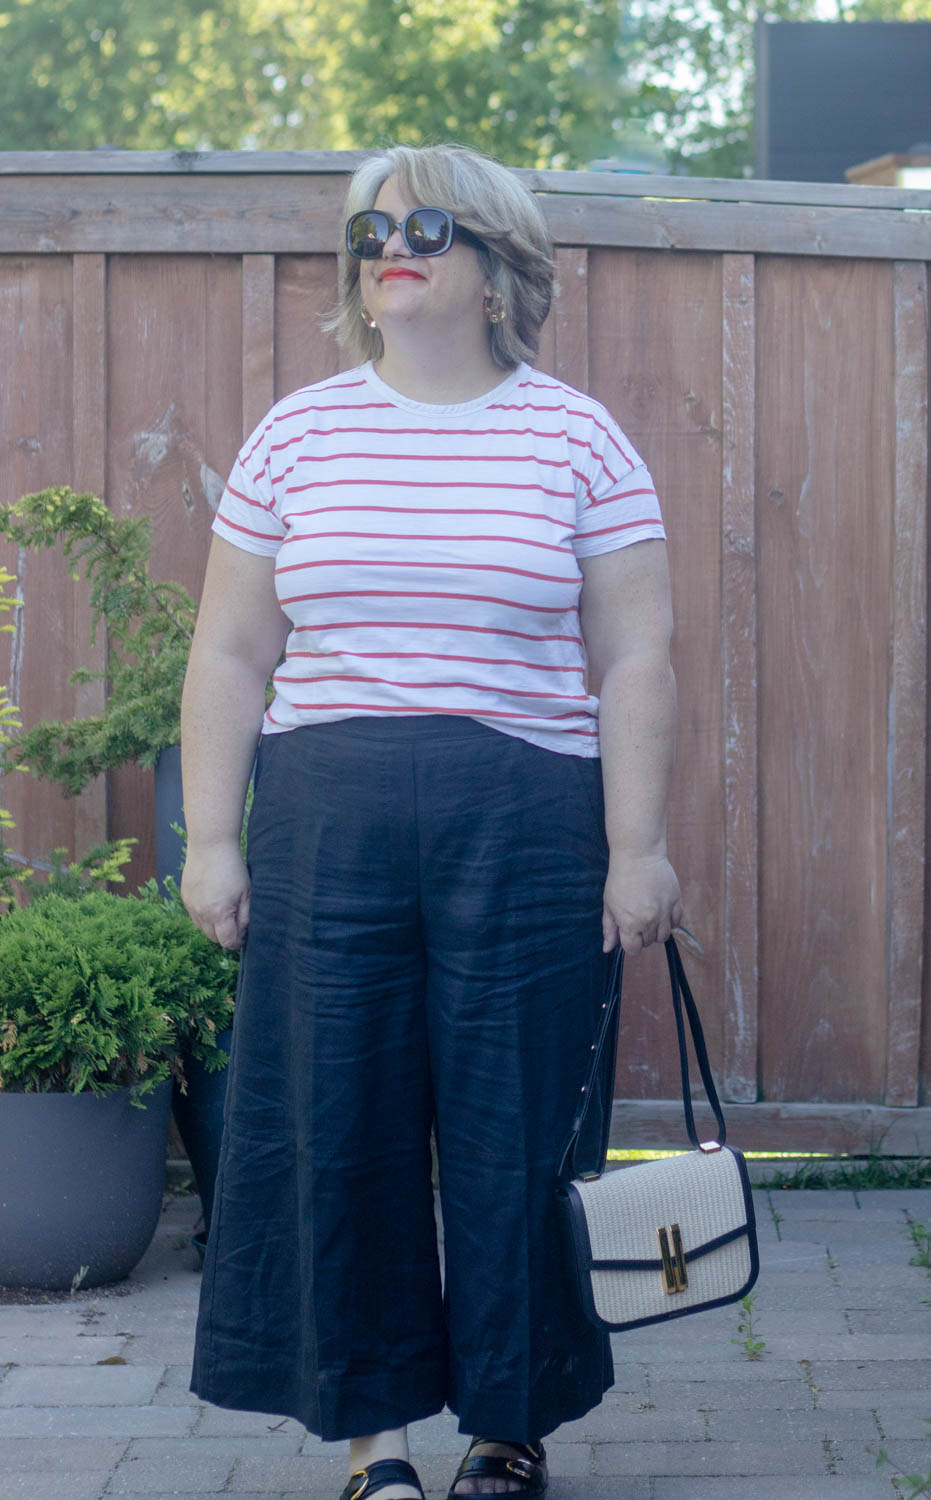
x: 101, y: 992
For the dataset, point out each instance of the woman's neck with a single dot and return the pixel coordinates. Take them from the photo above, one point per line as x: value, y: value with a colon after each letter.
x: 441, y: 377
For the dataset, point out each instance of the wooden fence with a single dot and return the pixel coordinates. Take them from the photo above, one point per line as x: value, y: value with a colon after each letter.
x: 765, y: 345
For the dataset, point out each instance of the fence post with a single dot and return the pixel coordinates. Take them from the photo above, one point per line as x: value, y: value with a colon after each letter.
x: 741, y: 679
x: 907, y: 759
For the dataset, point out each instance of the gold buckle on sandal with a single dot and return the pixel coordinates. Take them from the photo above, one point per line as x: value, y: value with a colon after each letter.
x: 366, y: 1481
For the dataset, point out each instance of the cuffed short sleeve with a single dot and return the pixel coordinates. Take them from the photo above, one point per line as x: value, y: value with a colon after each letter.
x: 615, y: 494
x: 246, y: 515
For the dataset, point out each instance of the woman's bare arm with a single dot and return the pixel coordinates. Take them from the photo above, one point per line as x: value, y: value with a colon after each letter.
x: 627, y: 626
x: 238, y: 639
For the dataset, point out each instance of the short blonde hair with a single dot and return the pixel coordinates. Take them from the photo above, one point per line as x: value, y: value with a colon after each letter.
x: 483, y: 196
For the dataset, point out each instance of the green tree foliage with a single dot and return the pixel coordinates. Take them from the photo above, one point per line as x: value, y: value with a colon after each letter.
x: 690, y: 72
x: 889, y: 10
x: 536, y: 82
x: 131, y: 73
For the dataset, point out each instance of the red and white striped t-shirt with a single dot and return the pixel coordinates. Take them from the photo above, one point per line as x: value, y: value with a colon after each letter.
x: 427, y: 555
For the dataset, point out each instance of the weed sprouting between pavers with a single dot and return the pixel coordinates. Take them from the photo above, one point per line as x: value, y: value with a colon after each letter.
x: 920, y: 1235
x: 911, y: 1486
x: 750, y: 1345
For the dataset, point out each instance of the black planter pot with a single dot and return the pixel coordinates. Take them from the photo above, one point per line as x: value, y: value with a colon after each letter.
x: 81, y: 1182
x: 199, y: 1118
x: 198, y: 1113
x: 169, y: 808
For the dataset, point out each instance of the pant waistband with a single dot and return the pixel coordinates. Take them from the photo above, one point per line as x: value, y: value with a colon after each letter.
x: 401, y: 727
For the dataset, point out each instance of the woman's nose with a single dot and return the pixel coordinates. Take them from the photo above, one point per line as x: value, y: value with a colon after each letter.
x: 395, y: 243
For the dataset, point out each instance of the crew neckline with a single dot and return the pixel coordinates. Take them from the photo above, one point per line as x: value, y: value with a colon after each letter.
x: 397, y: 398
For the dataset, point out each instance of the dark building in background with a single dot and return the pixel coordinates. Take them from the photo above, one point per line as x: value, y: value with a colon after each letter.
x: 830, y: 94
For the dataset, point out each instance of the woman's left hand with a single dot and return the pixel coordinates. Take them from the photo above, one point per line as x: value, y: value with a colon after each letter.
x: 642, y: 902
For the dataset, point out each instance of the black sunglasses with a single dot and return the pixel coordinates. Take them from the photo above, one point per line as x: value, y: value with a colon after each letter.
x: 425, y: 231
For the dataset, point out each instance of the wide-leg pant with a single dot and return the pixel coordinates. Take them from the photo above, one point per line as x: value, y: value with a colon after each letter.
x: 424, y: 945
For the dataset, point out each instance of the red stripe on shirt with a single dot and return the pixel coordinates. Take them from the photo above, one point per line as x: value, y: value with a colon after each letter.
x: 425, y: 510
x: 262, y: 536
x: 426, y: 484
x: 624, y: 526
x: 624, y: 495
x: 491, y: 661
x: 258, y: 504
x: 479, y: 432
x: 421, y: 536
x: 522, y: 635
x: 538, y: 609
x: 301, y: 411
x: 424, y: 458
x: 572, y: 412
x: 598, y: 457
x: 474, y: 687
x: 577, y: 474
x: 437, y: 567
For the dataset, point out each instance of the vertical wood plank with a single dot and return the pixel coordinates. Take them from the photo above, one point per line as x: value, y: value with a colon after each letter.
x: 258, y: 339
x: 306, y: 290
x: 655, y: 362
x: 924, y: 1087
x: 36, y: 388
x: 907, y: 699
x: 89, y: 447
x: 175, y: 424
x: 741, y: 679
x: 825, y: 515
x: 570, y: 318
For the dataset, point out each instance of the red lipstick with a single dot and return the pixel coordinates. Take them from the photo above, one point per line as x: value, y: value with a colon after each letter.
x: 398, y: 271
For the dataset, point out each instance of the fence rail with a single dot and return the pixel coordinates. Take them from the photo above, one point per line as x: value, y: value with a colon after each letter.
x: 766, y: 347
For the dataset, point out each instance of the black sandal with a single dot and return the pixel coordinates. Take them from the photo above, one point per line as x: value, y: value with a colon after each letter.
x: 529, y: 1467
x: 378, y: 1476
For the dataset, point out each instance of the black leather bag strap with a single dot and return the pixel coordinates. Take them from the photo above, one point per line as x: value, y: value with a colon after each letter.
x: 607, y: 1032
x: 682, y: 999
x: 682, y: 996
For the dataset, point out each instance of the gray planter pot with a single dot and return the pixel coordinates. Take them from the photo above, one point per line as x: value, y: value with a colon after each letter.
x: 81, y: 1182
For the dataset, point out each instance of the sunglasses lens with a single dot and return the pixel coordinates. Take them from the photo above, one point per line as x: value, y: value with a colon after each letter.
x: 367, y: 234
x: 428, y: 231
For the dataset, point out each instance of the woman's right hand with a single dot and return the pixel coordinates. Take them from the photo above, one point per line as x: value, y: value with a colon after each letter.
x: 215, y: 889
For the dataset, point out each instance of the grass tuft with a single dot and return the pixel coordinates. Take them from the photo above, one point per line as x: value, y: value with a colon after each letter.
x: 816, y: 1169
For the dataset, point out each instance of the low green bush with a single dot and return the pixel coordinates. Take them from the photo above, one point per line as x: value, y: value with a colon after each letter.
x: 101, y: 992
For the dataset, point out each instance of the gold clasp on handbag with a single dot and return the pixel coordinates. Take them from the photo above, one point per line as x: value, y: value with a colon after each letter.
x: 675, y: 1275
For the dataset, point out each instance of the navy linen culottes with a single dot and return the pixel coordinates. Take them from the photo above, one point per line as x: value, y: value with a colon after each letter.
x: 424, y: 945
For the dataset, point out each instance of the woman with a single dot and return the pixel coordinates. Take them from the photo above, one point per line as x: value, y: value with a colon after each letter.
x: 465, y: 561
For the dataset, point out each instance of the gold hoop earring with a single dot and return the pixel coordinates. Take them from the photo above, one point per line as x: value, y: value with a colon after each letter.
x: 494, y: 308
x: 367, y: 318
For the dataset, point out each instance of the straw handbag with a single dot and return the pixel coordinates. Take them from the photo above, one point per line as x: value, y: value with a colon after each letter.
x: 663, y: 1238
